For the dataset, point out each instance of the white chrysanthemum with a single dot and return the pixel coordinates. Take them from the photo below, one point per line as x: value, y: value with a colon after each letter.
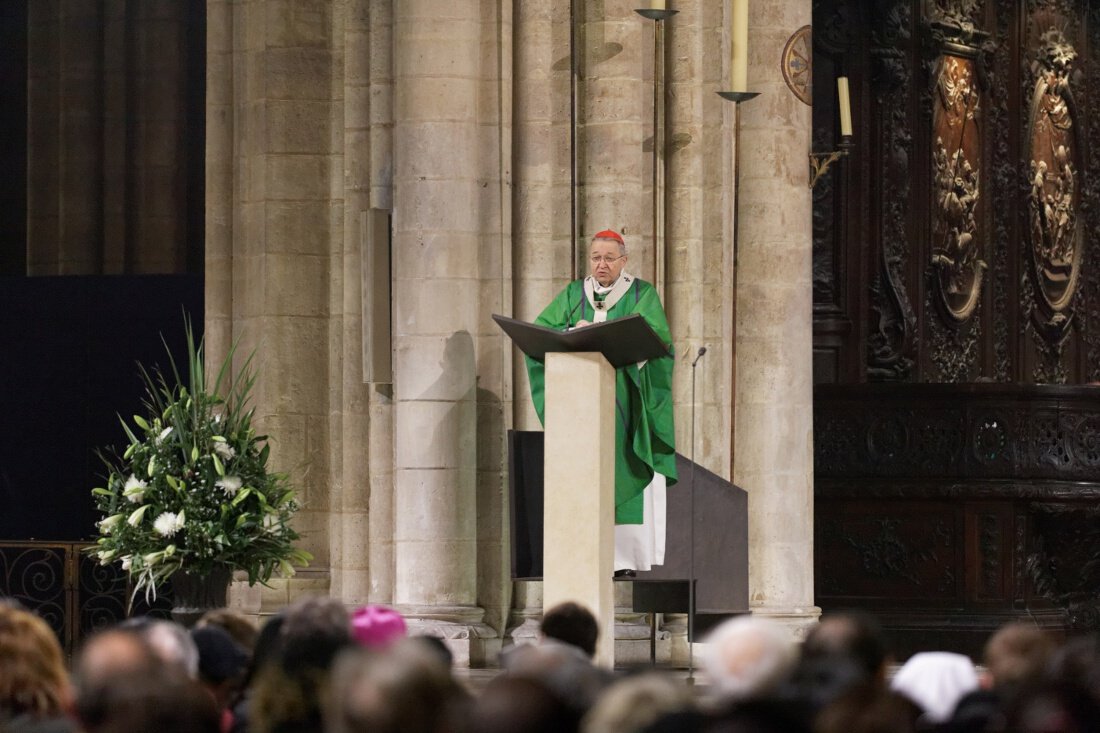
x: 166, y: 524
x: 224, y: 450
x: 134, y: 490
x: 163, y: 434
x: 229, y: 484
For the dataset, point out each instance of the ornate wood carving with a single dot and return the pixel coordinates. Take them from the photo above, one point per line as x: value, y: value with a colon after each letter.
x: 892, y: 327
x: 956, y: 187
x: 1064, y: 566
x: 989, y: 550
x: 978, y: 431
x: 1002, y: 190
x: 975, y: 254
x: 1053, y: 194
x: 1089, y: 313
x: 1011, y: 475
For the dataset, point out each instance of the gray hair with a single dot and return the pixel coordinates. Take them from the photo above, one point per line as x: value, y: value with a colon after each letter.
x: 749, y: 657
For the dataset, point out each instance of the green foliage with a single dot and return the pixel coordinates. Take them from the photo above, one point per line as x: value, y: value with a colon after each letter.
x: 192, y: 491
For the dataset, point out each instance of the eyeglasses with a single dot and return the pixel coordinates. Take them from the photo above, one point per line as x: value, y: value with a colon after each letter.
x: 608, y: 260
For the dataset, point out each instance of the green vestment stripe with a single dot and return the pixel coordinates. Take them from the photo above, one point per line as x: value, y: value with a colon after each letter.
x: 644, y: 433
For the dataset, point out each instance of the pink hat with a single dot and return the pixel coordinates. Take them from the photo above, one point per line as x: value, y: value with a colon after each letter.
x: 377, y: 626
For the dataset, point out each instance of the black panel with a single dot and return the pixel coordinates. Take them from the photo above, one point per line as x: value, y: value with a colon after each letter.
x: 70, y: 347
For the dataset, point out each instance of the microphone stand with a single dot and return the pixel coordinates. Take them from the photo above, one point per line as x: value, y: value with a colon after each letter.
x: 691, y: 531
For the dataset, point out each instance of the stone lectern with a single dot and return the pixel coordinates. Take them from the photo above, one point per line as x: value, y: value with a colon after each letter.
x: 579, y: 470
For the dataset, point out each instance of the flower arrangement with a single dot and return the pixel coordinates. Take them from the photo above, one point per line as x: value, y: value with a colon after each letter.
x: 192, y: 491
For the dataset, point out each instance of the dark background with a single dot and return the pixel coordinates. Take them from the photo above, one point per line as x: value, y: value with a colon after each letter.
x: 68, y: 369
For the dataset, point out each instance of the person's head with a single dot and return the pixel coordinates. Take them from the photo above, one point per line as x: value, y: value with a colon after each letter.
x: 377, y: 626
x: 162, y: 700
x: 111, y: 653
x: 562, y: 668
x: 288, y: 691
x: 315, y: 629
x: 573, y: 624
x: 635, y: 703
x: 521, y: 705
x: 405, y: 688
x: 1017, y: 654
x: 936, y: 681
x: 238, y: 625
x: 607, y: 257
x: 32, y: 671
x: 749, y: 657
x: 222, y: 662
x: 867, y: 709
x: 856, y: 636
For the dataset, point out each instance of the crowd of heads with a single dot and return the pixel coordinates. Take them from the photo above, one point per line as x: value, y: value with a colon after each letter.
x: 315, y: 667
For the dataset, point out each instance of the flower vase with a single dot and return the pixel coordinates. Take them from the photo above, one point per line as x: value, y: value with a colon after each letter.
x: 194, y: 595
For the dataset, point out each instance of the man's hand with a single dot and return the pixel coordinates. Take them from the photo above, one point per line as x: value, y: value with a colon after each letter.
x: 582, y: 323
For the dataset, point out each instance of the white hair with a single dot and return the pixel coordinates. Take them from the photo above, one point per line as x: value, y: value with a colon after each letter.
x: 173, y: 645
x: 748, y: 657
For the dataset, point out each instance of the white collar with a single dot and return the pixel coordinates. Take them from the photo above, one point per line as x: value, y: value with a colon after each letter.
x: 613, y: 292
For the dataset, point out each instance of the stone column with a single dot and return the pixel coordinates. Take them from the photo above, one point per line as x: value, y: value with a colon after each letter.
x: 773, y: 433
x: 436, y: 240
x: 615, y: 114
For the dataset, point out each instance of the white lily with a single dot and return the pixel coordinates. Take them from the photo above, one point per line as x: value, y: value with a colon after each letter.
x: 134, y: 490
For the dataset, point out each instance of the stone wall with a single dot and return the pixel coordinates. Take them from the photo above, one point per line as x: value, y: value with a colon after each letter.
x: 459, y: 121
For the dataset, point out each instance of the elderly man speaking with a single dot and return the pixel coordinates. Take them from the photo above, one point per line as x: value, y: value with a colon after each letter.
x: 645, y: 454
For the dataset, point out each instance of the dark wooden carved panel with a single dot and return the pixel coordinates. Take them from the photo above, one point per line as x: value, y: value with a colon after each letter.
x: 866, y: 553
x: 996, y: 485
x: 953, y: 244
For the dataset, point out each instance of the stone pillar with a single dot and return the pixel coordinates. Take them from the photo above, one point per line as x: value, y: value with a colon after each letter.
x: 773, y: 433
x: 615, y: 115
x: 436, y: 242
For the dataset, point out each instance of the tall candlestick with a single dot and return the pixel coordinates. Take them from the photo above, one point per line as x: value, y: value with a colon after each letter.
x: 739, y: 46
x: 845, y: 106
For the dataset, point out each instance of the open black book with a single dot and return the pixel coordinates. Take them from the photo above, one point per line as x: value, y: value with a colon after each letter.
x: 622, y: 341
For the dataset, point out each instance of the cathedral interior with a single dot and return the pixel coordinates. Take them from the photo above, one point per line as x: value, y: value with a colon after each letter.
x: 903, y: 355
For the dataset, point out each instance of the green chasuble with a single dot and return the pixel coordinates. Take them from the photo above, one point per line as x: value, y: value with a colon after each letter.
x: 644, y: 436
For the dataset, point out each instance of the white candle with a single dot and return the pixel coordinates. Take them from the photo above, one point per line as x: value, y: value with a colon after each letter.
x: 739, y: 46
x: 845, y: 106
x: 657, y: 5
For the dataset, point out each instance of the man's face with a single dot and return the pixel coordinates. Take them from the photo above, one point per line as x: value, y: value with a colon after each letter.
x: 606, y: 261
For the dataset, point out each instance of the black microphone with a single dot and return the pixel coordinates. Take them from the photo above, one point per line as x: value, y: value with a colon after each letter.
x: 702, y: 350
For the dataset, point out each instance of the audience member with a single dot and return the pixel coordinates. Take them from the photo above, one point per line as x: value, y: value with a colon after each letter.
x: 935, y: 682
x: 521, y: 705
x: 856, y: 636
x: 34, y: 687
x: 749, y: 658
x: 376, y: 626
x: 573, y: 624
x: 635, y: 703
x: 868, y: 708
x: 288, y: 692
x: 162, y: 700
x: 235, y: 623
x: 111, y: 653
x: 405, y: 689
x: 171, y: 643
x: 308, y: 674
x: 222, y: 666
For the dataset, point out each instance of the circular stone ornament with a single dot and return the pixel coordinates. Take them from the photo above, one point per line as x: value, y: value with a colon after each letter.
x: 798, y: 64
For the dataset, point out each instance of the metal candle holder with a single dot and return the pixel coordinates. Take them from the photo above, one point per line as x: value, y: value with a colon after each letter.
x: 820, y: 162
